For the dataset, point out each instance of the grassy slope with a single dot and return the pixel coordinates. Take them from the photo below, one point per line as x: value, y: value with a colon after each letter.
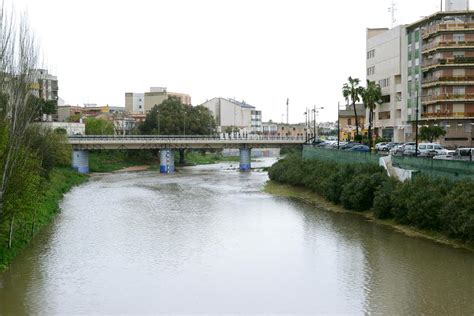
x: 320, y: 202
x: 61, y: 181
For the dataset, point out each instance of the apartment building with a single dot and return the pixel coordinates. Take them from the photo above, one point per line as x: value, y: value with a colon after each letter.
x: 141, y: 103
x: 426, y: 73
x: 444, y: 45
x: 384, y: 66
x: 233, y: 113
x: 45, y: 85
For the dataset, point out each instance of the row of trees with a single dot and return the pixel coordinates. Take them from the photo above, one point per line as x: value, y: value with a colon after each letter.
x: 427, y: 203
x: 370, y: 95
x: 28, y: 152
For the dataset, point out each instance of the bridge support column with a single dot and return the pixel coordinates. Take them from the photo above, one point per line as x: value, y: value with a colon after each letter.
x: 80, y: 161
x: 244, y: 159
x: 166, y: 161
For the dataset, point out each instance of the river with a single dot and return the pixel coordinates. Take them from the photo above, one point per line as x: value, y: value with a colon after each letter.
x: 207, y: 240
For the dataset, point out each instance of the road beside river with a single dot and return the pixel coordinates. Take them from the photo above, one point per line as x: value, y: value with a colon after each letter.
x: 208, y: 240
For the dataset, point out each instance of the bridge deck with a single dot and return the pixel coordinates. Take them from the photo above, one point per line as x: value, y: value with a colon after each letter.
x: 176, y: 142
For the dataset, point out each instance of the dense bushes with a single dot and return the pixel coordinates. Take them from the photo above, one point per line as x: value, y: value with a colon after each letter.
x: 427, y: 203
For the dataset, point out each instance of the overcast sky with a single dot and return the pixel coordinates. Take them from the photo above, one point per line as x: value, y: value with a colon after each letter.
x: 260, y: 51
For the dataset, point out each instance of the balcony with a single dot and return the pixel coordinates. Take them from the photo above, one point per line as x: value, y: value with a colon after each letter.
x: 448, y: 97
x: 448, y: 115
x: 446, y: 27
x: 458, y: 61
x: 447, y: 81
x: 437, y: 45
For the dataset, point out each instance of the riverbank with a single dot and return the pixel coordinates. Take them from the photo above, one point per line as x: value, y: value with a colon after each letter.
x: 307, y: 196
x: 60, y: 181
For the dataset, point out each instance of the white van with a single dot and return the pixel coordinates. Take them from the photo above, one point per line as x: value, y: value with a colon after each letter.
x: 431, y: 149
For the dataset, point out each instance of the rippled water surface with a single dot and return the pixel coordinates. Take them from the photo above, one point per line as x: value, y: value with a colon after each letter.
x: 207, y: 240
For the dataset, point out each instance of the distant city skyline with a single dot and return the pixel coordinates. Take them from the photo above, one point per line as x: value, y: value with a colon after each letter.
x: 262, y: 52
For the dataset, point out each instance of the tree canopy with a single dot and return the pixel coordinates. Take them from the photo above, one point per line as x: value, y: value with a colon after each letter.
x: 98, y: 126
x: 431, y: 133
x: 171, y: 117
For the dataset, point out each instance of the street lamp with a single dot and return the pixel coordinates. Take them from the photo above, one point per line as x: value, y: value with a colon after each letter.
x: 184, y: 123
x: 315, y: 111
x: 416, y: 125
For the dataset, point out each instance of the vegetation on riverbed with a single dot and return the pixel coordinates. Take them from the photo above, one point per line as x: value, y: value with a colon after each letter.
x: 38, y: 212
x: 432, y: 205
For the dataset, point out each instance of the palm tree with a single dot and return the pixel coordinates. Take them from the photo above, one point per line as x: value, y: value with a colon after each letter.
x: 370, y: 97
x: 351, y: 92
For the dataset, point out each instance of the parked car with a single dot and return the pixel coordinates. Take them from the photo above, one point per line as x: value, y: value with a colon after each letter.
x: 349, y: 145
x: 409, y: 150
x: 379, y: 146
x: 431, y: 149
x: 360, y: 148
x: 449, y: 155
x: 388, y: 146
x: 399, y: 149
x: 464, y: 154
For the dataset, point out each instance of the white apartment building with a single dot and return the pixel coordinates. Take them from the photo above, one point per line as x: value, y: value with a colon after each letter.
x: 384, y: 66
x: 232, y: 113
x: 45, y: 85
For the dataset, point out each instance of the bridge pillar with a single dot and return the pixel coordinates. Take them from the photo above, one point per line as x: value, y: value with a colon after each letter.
x: 166, y: 161
x: 244, y: 159
x: 80, y: 161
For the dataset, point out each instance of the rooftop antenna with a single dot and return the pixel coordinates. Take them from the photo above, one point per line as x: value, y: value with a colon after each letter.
x: 393, y: 9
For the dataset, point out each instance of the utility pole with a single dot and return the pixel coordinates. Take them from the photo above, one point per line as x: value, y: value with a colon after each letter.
x: 338, y: 131
x: 287, y: 111
x: 315, y: 110
x: 416, y: 126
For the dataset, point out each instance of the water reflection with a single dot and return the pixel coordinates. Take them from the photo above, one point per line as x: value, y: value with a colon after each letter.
x: 207, y: 240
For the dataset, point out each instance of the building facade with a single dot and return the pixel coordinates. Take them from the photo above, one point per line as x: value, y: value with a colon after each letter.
x: 347, y: 122
x: 142, y: 103
x: 426, y: 73
x: 440, y: 71
x: 45, y: 85
x: 384, y: 65
x: 233, y: 113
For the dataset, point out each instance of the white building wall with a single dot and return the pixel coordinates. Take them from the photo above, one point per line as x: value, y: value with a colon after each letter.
x: 456, y: 5
x: 384, y: 67
x: 228, y: 113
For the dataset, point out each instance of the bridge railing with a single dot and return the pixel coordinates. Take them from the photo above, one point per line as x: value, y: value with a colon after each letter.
x: 185, y: 137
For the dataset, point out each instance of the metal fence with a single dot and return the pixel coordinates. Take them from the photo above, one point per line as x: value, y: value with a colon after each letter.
x: 340, y: 156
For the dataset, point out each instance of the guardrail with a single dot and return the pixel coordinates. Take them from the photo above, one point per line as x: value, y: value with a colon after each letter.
x: 186, y: 137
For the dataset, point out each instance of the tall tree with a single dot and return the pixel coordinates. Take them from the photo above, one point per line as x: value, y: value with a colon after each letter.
x: 370, y: 97
x: 18, y: 59
x: 351, y: 92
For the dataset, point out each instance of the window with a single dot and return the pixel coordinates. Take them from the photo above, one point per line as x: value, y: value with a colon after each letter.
x: 417, y: 62
x: 417, y: 45
x: 459, y: 54
x: 384, y: 82
x: 459, y: 90
x: 349, y: 121
x: 370, y: 70
x: 385, y: 98
x: 371, y: 54
x: 458, y: 37
x: 384, y: 115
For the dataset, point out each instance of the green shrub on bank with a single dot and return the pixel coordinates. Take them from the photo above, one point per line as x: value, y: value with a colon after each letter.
x: 427, y: 203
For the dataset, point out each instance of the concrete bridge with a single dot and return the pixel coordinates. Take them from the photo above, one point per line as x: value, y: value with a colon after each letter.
x: 166, y: 144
